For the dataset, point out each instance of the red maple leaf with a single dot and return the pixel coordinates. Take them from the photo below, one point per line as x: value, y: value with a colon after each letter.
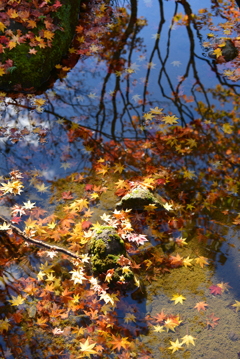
x: 88, y: 187
x: 86, y: 224
x: 215, y: 289
x: 67, y: 195
x: 57, y: 4
x: 16, y: 220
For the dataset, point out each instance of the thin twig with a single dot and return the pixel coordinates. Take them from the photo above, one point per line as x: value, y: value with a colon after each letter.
x: 38, y: 242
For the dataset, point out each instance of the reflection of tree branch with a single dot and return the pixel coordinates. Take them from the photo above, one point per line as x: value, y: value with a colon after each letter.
x: 191, y: 65
x: 131, y: 29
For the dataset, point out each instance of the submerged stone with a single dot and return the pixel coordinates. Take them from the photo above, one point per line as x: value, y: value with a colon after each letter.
x: 30, y: 71
x: 138, y: 198
x: 105, y: 250
x: 229, y: 51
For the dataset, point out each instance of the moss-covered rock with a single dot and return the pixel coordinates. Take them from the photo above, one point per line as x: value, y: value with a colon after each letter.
x: 105, y: 249
x: 138, y: 198
x: 29, y: 70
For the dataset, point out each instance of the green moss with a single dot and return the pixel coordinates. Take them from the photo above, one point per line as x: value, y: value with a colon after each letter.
x: 34, y: 70
x: 101, y: 229
x: 137, y: 199
x: 101, y: 265
x: 99, y: 248
x: 105, y: 250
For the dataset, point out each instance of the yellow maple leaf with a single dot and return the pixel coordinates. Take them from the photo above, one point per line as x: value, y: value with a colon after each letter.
x: 148, y: 182
x: 2, y: 71
x: 188, y: 174
x: 48, y: 34
x: 12, y: 14
x: 11, y: 44
x: 187, y: 262
x: 94, y: 195
x: 41, y: 187
x: 158, y: 328
x: 78, y: 276
x: 4, y: 325
x: 156, y: 111
x: 79, y: 205
x: 129, y: 317
x: 237, y: 305
x: 227, y: 128
x: 14, y: 187
x: 171, y: 120
x: 42, y: 322
x: 109, y: 298
x: 118, y: 168
x: 178, y: 298
x: 148, y: 116
x: 17, y: 300
x: 170, y: 324
x: 168, y: 206
x: 87, y: 348
x: 29, y: 205
x: 5, y: 226
x: 32, y: 24
x: 217, y: 52
x: 2, y: 26
x: 175, y: 346
x: 102, y: 170
x: 39, y: 101
x: 201, y: 261
x: 188, y: 339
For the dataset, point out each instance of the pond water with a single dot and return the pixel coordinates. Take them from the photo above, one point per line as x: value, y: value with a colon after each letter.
x: 93, y: 137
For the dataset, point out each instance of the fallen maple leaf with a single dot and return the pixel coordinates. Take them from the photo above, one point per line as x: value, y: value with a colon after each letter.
x: 176, y: 260
x: 201, y: 261
x: 188, y: 339
x: 67, y: 195
x: 215, y: 289
x: 119, y: 342
x: 212, y: 321
x: 175, y: 346
x: 171, y: 323
x: 178, y: 298
x: 17, y: 300
x: 87, y: 348
x: 201, y: 306
x: 160, y: 317
x: 237, y: 305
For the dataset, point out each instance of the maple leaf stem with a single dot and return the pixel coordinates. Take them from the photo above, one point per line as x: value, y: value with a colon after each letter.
x: 38, y: 242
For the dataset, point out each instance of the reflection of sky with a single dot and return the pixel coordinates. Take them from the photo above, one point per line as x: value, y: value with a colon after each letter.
x: 77, y: 97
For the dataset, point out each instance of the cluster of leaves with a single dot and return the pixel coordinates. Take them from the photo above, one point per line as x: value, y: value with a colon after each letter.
x: 55, y: 304
x: 194, y: 169
x: 102, y: 34
x: 28, y: 15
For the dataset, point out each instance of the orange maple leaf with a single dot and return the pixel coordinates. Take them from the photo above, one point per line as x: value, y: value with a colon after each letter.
x: 201, y: 306
x: 119, y: 342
